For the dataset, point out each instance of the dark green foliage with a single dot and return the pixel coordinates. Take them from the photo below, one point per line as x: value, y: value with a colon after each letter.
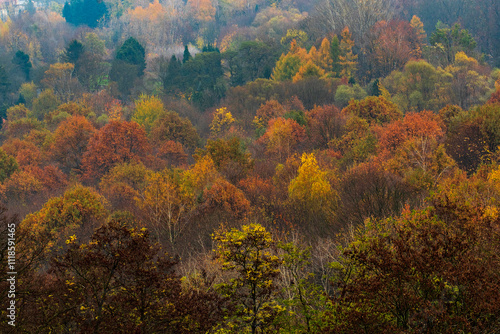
x: 252, y: 60
x: 73, y: 52
x: 46, y: 102
x: 335, y: 53
x: 171, y: 75
x: 85, y: 12
x: 129, y: 64
x: 132, y: 52
x: 203, y: 78
x: 4, y: 88
x: 199, y: 78
x: 21, y: 99
x: 4, y: 80
x: 22, y: 60
x: 298, y: 116
x: 209, y: 48
x: 375, y: 89
x: 186, y: 56
x: 124, y: 74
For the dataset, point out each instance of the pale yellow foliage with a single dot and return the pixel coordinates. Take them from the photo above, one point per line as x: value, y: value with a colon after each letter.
x: 166, y: 202
x: 221, y: 122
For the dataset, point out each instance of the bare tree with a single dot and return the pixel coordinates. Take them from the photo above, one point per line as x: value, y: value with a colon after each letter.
x: 358, y: 15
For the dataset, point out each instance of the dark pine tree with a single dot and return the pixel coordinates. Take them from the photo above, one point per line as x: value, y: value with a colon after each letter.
x: 186, y: 55
x: 133, y: 52
x: 73, y: 52
x: 85, y: 12
x: 22, y: 60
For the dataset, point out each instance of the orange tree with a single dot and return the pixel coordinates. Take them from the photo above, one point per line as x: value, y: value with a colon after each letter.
x: 116, y: 142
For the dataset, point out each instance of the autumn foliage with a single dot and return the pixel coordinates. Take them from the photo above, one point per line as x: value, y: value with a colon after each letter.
x: 117, y: 142
x: 250, y: 166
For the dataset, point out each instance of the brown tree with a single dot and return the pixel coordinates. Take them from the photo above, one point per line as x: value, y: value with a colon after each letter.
x: 116, y: 142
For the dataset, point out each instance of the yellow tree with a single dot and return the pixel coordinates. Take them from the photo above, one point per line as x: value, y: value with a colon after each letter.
x: 324, y: 56
x: 418, y: 27
x: 309, y: 69
x: 469, y: 85
x: 221, y: 122
x: 79, y: 211
x: 165, y: 203
x: 154, y: 24
x: 248, y: 255
x: 299, y: 36
x: 147, y: 110
x: 202, y: 174
x: 315, y: 63
x: 289, y: 64
x: 347, y: 59
x: 311, y: 190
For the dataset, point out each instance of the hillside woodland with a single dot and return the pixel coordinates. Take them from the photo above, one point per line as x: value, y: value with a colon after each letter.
x: 259, y: 166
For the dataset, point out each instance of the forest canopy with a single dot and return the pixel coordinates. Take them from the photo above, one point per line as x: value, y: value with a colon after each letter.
x: 203, y: 166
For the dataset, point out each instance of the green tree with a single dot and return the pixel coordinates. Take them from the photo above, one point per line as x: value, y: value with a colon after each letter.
x: 335, y: 54
x: 73, y: 52
x: 132, y: 52
x: 22, y: 60
x: 346, y: 93
x: 85, y: 12
x: 452, y: 40
x: 45, y: 103
x: 29, y: 91
x: 171, y: 75
x: 186, y: 55
x: 204, y: 80
x: 289, y: 64
x: 250, y: 61
x: 420, y: 86
x: 93, y: 44
x: 229, y: 156
x: 4, y: 81
x: 128, y: 65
